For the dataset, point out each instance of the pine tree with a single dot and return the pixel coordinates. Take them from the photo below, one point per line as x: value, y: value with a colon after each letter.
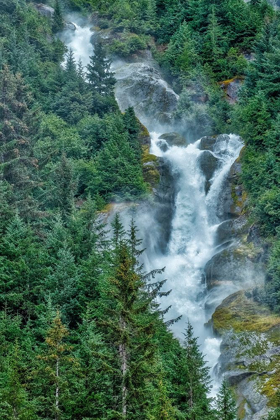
x: 101, y: 81
x: 53, y: 376
x: 57, y: 23
x: 213, y: 38
x: 181, y: 53
x: 14, y: 399
x: 70, y: 66
x: 98, y: 360
x: 22, y: 267
x: 63, y: 284
x: 129, y: 315
x: 196, y: 379
x: 132, y: 126
x: 99, y: 76
x: 226, y: 405
x: 17, y: 163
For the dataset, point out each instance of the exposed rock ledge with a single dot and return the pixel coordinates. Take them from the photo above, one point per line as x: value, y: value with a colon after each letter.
x: 250, y: 352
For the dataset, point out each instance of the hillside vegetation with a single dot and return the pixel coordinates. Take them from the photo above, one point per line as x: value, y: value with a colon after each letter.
x: 82, y: 332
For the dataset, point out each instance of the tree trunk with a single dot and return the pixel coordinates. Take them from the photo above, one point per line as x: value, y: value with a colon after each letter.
x: 57, y: 391
x: 124, y: 368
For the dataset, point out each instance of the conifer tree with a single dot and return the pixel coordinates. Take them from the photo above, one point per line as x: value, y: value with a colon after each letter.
x: 101, y: 81
x: 226, y: 406
x: 133, y: 128
x: 196, y: 379
x: 17, y: 163
x: 14, y: 399
x: 23, y: 265
x: 99, y: 75
x: 57, y: 23
x: 56, y: 366
x: 63, y: 284
x: 70, y: 66
x: 129, y: 315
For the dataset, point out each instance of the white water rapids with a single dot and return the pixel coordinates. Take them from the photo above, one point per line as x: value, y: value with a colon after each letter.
x: 194, y: 223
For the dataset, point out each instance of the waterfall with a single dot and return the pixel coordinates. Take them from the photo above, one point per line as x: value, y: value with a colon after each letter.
x: 195, y: 219
x: 192, y: 242
x: 78, y: 40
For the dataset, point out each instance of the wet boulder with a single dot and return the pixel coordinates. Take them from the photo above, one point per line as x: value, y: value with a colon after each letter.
x: 240, y: 265
x: 162, y: 144
x: 165, y: 194
x: 174, y: 139
x: 70, y: 26
x: 208, y: 164
x: 225, y: 232
x: 209, y: 142
x: 233, y: 197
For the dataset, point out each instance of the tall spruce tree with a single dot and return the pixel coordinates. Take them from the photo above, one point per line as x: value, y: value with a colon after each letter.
x: 101, y: 81
x: 56, y: 366
x: 17, y: 163
x: 226, y: 405
x: 196, y: 380
x: 57, y: 20
x: 129, y: 316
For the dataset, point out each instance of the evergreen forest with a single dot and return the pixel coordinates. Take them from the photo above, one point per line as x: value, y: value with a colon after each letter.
x: 84, y: 329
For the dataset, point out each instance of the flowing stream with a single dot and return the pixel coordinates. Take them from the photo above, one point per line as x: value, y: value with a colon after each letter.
x: 195, y: 220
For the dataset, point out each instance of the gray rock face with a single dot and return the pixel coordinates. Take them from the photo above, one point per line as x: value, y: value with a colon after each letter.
x: 225, y: 232
x: 233, y: 265
x: 208, y: 143
x: 232, y: 90
x: 165, y: 201
x: 140, y: 85
x: 208, y: 164
x: 44, y: 10
x: 236, y: 351
x: 211, y: 142
x: 231, y: 200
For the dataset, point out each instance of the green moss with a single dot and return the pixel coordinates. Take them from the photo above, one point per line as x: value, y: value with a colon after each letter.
x: 150, y: 167
x: 241, y: 413
x: 272, y: 382
x: 241, y: 313
x: 147, y: 156
x: 144, y: 131
x: 258, y: 330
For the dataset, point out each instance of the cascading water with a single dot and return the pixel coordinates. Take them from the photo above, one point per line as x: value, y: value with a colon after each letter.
x: 78, y: 40
x: 195, y: 219
x: 192, y: 242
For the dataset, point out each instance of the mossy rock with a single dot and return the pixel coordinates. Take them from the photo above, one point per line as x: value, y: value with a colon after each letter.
x: 174, y: 139
x: 251, y: 345
x: 144, y: 136
x: 241, y: 313
x: 150, y: 167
